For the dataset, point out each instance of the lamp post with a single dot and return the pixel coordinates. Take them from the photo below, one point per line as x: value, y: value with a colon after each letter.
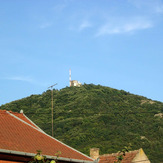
x: 51, y: 87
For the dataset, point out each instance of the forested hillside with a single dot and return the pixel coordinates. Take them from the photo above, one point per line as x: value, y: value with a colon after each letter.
x: 97, y: 116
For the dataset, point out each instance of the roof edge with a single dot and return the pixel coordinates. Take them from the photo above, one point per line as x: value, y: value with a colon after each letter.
x: 24, y: 122
x: 115, y: 154
x: 51, y: 137
x: 70, y: 147
x: 33, y: 123
x: 47, y: 156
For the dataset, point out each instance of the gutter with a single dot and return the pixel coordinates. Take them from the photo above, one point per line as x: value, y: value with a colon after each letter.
x: 47, y: 156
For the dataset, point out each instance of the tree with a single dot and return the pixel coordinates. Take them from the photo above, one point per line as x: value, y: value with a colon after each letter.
x: 39, y: 158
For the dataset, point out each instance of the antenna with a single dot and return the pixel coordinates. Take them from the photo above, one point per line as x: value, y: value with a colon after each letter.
x: 52, y: 104
x: 70, y: 77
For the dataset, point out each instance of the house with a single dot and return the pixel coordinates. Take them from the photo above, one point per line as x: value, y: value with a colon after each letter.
x: 20, y: 138
x: 130, y: 157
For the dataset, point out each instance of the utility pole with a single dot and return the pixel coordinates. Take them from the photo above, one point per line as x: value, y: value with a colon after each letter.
x: 51, y: 87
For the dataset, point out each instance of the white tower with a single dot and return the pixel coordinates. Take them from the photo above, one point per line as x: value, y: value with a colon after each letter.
x: 70, y: 77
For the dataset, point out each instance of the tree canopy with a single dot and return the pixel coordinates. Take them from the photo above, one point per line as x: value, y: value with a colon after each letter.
x: 97, y: 116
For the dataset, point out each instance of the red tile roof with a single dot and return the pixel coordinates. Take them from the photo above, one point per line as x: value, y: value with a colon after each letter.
x: 24, y: 118
x: 2, y: 161
x: 111, y: 158
x: 17, y: 133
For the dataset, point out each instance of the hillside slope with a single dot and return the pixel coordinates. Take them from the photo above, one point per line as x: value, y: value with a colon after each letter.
x: 98, y: 116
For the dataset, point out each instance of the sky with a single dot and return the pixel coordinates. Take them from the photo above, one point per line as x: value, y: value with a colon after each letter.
x: 118, y: 44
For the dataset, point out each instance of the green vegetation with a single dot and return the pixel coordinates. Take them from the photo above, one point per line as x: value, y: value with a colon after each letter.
x: 121, y: 154
x: 39, y: 158
x: 97, y: 116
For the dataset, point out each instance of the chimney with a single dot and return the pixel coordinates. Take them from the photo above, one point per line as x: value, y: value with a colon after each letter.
x: 94, y: 153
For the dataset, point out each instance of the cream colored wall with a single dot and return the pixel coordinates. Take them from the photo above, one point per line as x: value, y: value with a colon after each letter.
x: 94, y: 153
x: 75, y: 83
x: 141, y: 157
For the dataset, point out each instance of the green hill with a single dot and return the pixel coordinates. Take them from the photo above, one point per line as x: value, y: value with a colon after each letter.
x: 97, y: 116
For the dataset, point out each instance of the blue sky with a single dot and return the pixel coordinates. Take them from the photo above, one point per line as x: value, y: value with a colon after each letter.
x: 112, y: 43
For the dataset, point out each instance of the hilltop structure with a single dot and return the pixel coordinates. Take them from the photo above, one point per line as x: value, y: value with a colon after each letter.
x: 74, y: 83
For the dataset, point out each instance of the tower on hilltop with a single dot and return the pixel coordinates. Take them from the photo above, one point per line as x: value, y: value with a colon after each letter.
x: 74, y: 83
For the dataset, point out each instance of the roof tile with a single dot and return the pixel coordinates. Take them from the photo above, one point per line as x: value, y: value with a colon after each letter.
x: 17, y: 135
x: 111, y: 158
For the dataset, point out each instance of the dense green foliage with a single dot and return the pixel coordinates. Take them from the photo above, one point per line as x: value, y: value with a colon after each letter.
x: 97, y: 116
